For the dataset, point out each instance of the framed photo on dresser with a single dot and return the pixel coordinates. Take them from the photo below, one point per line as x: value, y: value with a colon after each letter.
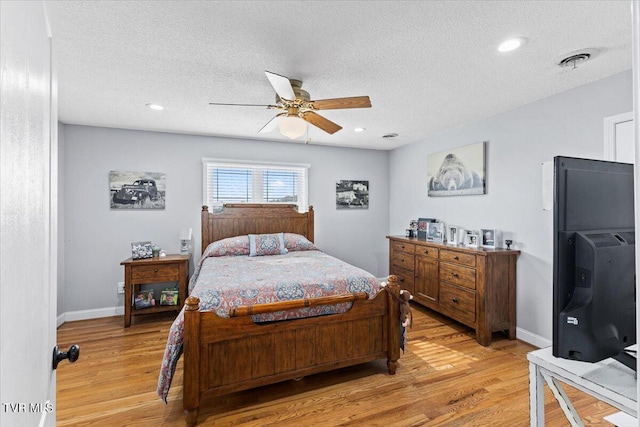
x: 452, y: 234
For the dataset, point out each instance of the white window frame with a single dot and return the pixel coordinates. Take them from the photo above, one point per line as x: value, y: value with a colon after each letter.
x: 301, y: 168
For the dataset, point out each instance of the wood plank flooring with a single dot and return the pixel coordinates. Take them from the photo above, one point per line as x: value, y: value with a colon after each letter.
x: 444, y: 379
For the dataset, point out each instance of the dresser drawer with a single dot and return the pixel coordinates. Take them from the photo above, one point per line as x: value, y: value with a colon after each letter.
x: 155, y: 273
x: 457, y: 274
x: 458, y: 257
x: 429, y: 251
x: 402, y: 260
x: 461, y: 303
x: 403, y: 247
x: 405, y: 279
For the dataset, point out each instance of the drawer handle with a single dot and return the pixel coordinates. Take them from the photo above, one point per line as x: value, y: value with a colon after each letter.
x: 402, y: 247
x: 454, y: 274
x: 454, y: 299
x: 402, y: 279
x: 402, y: 260
x: 456, y: 258
x: 426, y: 251
x: 155, y: 270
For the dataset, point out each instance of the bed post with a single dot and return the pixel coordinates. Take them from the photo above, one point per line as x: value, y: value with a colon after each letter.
x: 204, y: 223
x: 191, y: 381
x: 310, y: 224
x: 393, y: 298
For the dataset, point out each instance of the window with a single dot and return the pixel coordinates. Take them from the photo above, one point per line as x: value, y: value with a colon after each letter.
x: 231, y: 181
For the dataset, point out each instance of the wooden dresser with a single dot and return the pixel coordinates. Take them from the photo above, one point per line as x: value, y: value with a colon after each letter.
x: 476, y: 287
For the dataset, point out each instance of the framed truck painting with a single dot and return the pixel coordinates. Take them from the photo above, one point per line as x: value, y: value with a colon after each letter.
x: 137, y: 190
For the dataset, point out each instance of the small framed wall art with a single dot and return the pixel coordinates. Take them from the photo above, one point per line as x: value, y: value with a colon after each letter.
x: 352, y: 194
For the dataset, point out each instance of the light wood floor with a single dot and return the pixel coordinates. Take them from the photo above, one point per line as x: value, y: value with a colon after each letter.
x: 444, y: 379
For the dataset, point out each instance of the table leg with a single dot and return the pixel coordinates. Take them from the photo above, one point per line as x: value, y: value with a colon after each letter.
x: 569, y: 411
x: 536, y: 396
x: 127, y: 297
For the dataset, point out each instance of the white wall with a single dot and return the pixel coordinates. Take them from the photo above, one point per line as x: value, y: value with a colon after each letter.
x: 568, y: 124
x: 97, y: 239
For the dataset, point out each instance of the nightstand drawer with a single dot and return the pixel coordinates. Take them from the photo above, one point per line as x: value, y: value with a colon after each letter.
x: 462, y: 276
x: 403, y: 247
x: 459, y: 302
x: 402, y: 260
x: 155, y: 273
x: 458, y: 257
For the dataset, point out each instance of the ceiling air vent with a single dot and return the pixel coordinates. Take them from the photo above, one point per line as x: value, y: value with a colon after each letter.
x: 390, y: 135
x: 575, y: 58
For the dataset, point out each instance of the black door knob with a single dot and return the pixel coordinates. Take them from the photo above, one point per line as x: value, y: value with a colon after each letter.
x: 59, y: 356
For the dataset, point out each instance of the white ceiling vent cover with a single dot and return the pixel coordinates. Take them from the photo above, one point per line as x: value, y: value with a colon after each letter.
x: 575, y: 58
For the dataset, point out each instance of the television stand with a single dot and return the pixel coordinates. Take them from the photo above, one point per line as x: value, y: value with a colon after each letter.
x: 607, y: 381
x: 627, y: 360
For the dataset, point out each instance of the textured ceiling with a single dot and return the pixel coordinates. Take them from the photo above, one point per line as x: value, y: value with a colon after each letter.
x: 426, y: 65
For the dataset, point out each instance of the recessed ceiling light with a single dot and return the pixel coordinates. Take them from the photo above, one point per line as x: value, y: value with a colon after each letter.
x: 155, y: 107
x: 512, y: 44
x: 359, y: 129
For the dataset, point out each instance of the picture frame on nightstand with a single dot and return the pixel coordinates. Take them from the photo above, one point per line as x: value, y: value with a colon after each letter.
x: 141, y: 250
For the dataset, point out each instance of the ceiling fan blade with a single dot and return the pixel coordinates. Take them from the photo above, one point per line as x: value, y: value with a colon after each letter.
x: 272, y: 124
x: 339, y: 103
x: 320, y: 122
x: 281, y: 85
x: 243, y: 105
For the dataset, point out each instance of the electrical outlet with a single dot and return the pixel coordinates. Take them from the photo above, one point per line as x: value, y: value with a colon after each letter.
x: 121, y: 287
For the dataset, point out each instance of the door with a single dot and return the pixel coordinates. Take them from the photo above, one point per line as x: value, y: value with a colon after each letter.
x: 28, y: 216
x: 619, y: 142
x: 427, y: 281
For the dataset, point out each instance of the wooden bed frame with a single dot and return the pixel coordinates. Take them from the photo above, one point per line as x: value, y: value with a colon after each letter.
x: 224, y: 355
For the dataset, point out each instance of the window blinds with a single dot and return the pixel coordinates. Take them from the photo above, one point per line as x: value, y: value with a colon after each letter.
x: 227, y: 181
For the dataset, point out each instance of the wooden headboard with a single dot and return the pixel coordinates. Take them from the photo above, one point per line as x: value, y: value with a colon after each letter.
x: 244, y: 218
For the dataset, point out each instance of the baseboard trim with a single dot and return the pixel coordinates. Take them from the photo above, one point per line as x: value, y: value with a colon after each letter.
x: 95, y: 313
x: 531, y: 338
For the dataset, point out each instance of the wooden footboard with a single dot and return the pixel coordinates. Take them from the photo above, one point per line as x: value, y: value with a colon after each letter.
x: 224, y: 355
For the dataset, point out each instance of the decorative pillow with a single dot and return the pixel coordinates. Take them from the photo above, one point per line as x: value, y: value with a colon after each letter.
x: 297, y: 242
x: 238, y: 245
x: 266, y: 244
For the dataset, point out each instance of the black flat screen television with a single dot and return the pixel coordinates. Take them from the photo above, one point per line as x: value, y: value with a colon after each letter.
x: 594, y: 301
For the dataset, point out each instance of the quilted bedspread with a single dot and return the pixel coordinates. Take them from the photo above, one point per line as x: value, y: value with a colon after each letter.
x: 224, y: 282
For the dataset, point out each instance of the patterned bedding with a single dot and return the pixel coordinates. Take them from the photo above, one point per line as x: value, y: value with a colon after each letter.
x: 229, y: 276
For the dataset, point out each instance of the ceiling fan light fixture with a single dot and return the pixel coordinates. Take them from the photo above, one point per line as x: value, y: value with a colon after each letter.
x: 292, y: 127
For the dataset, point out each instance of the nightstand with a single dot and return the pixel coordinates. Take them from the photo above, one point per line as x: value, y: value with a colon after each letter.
x: 171, y: 268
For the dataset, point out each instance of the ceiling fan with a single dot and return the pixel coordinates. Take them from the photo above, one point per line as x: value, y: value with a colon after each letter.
x: 297, y: 109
